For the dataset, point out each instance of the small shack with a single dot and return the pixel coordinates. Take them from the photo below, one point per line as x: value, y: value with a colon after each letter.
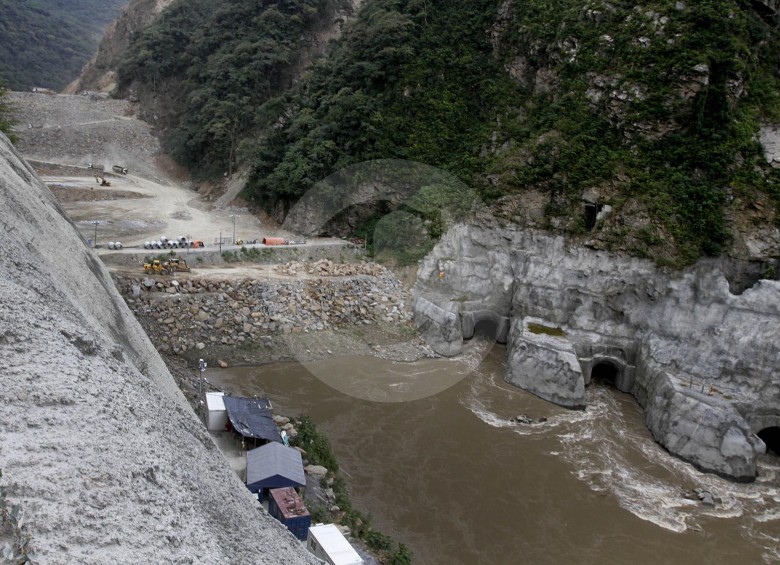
x: 286, y: 505
x: 251, y: 418
x: 216, y: 414
x: 329, y: 544
x: 273, y: 465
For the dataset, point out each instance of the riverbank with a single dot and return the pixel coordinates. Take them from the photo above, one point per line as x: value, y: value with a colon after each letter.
x: 362, y: 310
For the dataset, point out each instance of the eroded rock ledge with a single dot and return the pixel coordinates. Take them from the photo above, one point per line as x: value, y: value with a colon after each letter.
x: 699, y: 359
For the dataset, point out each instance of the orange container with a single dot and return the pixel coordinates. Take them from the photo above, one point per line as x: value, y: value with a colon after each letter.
x: 274, y: 241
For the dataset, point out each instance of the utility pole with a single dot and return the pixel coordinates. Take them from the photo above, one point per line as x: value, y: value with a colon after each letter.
x: 234, y: 216
x: 94, y: 241
x: 202, y: 368
x: 220, y: 242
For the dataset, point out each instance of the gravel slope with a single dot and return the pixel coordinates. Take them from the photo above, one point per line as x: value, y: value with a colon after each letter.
x: 77, y: 130
x: 100, y: 448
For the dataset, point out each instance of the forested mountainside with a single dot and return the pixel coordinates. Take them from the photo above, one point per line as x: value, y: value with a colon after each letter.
x: 544, y: 106
x: 46, y: 42
x: 205, y: 69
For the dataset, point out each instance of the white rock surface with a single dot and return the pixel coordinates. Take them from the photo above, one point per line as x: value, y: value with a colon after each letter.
x: 99, y: 447
x: 662, y: 331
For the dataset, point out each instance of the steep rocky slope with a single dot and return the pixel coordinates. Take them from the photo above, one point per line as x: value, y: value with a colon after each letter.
x: 100, y: 449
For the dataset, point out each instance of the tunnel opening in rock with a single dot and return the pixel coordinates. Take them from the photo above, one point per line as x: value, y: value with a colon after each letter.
x: 591, y: 211
x: 604, y: 373
x: 487, y: 329
x: 771, y: 437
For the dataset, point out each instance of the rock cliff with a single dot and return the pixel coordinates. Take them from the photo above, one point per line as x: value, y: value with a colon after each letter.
x: 100, y: 449
x: 698, y: 351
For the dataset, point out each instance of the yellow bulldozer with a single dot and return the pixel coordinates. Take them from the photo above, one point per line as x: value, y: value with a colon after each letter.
x: 169, y: 267
x: 157, y: 267
x: 178, y: 264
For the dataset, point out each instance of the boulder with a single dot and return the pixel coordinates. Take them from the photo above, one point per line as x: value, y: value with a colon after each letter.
x: 316, y: 470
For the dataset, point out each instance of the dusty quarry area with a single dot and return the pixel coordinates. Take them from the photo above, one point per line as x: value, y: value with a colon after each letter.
x: 60, y: 135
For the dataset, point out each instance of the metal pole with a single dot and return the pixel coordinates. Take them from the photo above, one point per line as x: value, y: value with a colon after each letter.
x: 94, y: 241
x: 220, y: 242
x: 202, y: 368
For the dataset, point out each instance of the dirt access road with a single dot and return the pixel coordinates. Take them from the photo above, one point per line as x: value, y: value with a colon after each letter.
x: 62, y: 134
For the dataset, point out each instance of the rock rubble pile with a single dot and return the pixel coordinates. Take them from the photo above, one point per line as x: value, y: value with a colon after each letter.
x: 195, y: 313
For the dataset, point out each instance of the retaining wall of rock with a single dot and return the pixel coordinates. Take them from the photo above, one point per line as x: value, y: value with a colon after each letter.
x: 181, y: 314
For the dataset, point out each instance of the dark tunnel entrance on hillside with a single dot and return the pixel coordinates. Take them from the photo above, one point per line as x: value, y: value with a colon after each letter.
x: 604, y: 373
x: 771, y: 437
x: 486, y: 324
x: 487, y: 328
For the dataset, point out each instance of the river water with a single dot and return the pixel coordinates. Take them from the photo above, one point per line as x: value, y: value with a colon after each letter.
x: 430, y: 453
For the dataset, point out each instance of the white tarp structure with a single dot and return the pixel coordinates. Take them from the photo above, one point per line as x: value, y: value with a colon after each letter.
x: 216, y: 414
x: 329, y: 544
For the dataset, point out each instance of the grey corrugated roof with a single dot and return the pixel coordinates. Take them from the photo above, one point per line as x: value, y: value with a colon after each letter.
x: 251, y: 417
x: 273, y: 460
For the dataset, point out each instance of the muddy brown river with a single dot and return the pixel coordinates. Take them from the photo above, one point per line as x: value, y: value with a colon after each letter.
x: 430, y: 453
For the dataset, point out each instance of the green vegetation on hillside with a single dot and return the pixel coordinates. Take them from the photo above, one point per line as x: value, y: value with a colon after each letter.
x: 654, y: 109
x: 46, y: 42
x: 408, y: 80
x: 218, y: 61
x: 664, y: 103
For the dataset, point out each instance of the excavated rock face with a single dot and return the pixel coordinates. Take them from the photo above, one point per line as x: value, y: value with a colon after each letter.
x: 698, y: 357
x: 100, y: 448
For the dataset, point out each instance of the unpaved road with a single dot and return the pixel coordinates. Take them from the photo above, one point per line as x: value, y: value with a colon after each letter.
x: 61, y: 134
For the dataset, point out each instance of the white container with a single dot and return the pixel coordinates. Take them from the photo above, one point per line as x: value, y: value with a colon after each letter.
x: 216, y: 414
x: 329, y: 544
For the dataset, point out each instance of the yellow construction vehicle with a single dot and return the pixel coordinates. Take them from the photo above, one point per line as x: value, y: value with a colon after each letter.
x: 169, y: 267
x: 177, y: 264
x: 157, y: 267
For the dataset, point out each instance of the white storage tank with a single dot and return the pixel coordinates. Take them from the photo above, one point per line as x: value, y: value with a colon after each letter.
x: 329, y: 544
x: 216, y: 414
